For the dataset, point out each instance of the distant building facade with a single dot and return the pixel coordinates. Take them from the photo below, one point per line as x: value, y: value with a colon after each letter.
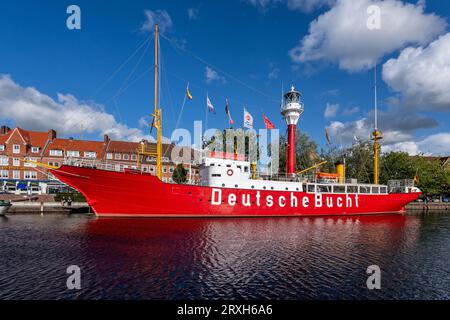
x: 18, y: 145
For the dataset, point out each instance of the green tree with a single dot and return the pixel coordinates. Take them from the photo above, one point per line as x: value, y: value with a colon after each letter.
x: 434, y: 179
x: 179, y: 174
x: 359, y: 162
x: 396, y: 165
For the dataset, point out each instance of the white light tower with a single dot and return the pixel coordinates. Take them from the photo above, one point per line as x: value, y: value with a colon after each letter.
x: 291, y: 109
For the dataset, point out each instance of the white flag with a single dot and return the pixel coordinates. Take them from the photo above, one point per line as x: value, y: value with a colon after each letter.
x: 248, y: 119
x: 210, y: 105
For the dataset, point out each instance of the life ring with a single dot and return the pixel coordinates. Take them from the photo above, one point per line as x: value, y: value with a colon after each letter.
x: 230, y: 172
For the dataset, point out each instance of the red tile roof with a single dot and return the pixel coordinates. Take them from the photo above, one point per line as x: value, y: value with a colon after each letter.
x: 32, y: 138
x: 76, y: 145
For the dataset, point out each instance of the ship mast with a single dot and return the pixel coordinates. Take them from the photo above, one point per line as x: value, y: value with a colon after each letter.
x: 376, y: 135
x: 143, y: 149
x: 157, y: 111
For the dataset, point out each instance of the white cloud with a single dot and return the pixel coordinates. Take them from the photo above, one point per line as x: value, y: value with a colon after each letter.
x: 28, y: 108
x: 192, y: 13
x: 422, y: 75
x: 161, y: 17
x: 274, y: 74
x: 436, y: 144
x: 331, y: 110
x: 212, y: 75
x: 350, y: 111
x: 341, y: 35
x: 397, y: 134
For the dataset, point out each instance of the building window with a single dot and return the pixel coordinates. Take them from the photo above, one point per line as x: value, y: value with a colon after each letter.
x: 16, y: 174
x: 73, y: 153
x: 144, y: 168
x: 117, y: 156
x: 54, y: 164
x: 28, y: 164
x: 56, y: 153
x: 4, y: 174
x: 171, y: 170
x: 152, y: 168
x: 164, y: 169
x: 109, y: 156
x: 16, y: 148
x: 4, y: 161
x: 90, y: 154
x: 35, y: 149
x: 133, y: 157
x: 16, y: 162
x: 30, y: 175
x: 126, y: 157
x: 2, y: 147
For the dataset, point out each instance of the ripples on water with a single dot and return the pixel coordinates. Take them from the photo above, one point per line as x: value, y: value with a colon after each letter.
x: 258, y: 258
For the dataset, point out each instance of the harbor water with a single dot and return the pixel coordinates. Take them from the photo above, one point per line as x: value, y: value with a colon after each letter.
x: 258, y: 258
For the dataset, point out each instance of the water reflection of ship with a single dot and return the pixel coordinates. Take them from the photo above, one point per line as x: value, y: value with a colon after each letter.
x: 191, y: 258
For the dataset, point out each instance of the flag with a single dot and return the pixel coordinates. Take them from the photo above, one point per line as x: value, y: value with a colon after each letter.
x: 248, y: 119
x: 227, y: 111
x: 210, y: 105
x: 268, y: 123
x: 188, y: 93
x: 327, y: 135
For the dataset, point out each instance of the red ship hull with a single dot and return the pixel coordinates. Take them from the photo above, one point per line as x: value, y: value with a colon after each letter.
x: 136, y: 194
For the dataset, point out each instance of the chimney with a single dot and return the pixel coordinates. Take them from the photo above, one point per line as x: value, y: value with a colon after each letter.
x: 51, y: 134
x: 105, y: 139
x: 4, y: 129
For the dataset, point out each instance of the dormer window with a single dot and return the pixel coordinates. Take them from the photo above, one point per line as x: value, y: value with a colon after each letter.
x: 34, y: 149
x: 73, y: 153
x: 2, y: 147
x: 56, y: 153
x: 90, y: 154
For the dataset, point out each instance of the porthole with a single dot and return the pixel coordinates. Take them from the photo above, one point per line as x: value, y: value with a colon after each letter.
x: 287, y: 189
x: 253, y: 187
x: 264, y: 187
x: 223, y: 184
x: 235, y: 185
x: 271, y: 188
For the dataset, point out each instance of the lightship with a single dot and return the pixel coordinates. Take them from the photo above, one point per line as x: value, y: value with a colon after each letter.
x: 229, y: 185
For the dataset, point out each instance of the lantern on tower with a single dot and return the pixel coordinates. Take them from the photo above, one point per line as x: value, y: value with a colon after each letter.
x: 291, y: 109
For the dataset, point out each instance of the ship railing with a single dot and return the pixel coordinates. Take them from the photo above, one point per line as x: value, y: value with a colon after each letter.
x: 115, y: 165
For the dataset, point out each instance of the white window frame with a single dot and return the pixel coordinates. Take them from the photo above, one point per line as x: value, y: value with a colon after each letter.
x: 133, y: 157
x: 30, y: 165
x: 4, y: 174
x: 16, y: 174
x: 73, y: 153
x: 4, y: 161
x: 16, y: 162
x: 30, y: 175
x: 16, y: 148
x: 34, y: 149
x: 126, y: 156
x: 90, y: 154
x: 2, y: 147
x: 117, y: 156
x: 109, y: 155
x: 56, y: 153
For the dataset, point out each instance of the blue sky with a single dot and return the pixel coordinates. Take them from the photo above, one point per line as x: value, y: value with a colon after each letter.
x: 252, y: 46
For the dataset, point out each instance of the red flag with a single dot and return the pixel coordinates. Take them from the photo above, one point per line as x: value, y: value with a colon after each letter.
x: 227, y: 110
x: 268, y: 123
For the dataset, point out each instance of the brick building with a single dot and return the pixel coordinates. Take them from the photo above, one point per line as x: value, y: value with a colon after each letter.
x: 18, y: 176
